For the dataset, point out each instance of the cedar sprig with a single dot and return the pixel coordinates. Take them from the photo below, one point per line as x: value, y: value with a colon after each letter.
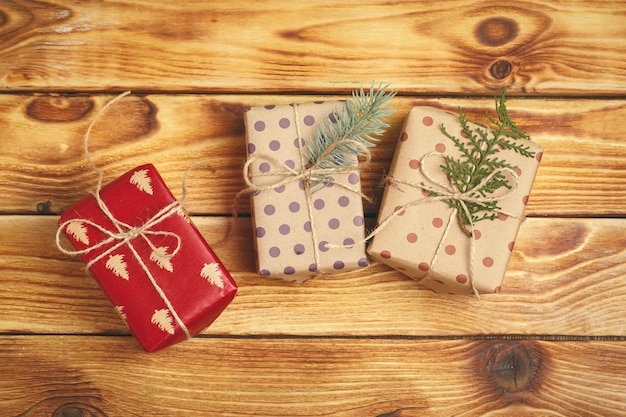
x: 362, y: 118
x: 479, y: 159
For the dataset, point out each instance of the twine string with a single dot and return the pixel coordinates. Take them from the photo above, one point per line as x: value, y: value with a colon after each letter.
x: 452, y: 193
x: 93, y: 166
x: 439, y: 191
x: 313, y: 174
x: 126, y: 233
x: 307, y: 190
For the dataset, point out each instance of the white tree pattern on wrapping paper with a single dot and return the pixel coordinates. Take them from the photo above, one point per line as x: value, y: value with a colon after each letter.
x: 120, y: 311
x: 142, y: 181
x: 181, y: 213
x: 118, y: 265
x: 78, y: 231
x: 161, y: 258
x: 213, y: 274
x: 163, y: 320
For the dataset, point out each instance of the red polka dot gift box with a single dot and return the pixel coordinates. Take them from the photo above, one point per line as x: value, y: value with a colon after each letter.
x: 300, y: 228
x: 424, y: 229
x: 154, y: 265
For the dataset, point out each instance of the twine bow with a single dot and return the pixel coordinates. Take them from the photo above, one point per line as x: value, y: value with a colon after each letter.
x: 126, y: 233
x: 313, y: 174
x: 440, y: 191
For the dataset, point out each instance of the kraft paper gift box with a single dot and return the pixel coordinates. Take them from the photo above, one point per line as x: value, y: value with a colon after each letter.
x: 299, y: 227
x: 153, y: 264
x: 422, y: 238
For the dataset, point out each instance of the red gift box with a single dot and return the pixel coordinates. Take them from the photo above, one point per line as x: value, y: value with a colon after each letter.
x: 155, y: 267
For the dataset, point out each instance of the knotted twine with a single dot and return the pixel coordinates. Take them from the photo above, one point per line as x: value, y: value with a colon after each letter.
x: 313, y: 174
x: 126, y: 233
x: 439, y: 191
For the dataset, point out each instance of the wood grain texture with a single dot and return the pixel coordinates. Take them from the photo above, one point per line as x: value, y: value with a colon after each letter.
x: 583, y: 171
x: 63, y: 376
x: 565, y: 277
x: 444, y: 47
x: 367, y: 343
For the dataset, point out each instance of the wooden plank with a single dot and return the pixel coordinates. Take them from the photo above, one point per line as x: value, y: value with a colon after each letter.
x: 565, y: 277
x: 583, y: 171
x: 303, y: 377
x: 443, y: 47
x: 367, y: 343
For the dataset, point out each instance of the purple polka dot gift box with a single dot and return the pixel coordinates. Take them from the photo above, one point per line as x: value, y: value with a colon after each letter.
x: 420, y: 225
x: 300, y: 229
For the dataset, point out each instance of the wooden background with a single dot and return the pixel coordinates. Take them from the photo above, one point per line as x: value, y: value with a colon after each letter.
x: 366, y: 343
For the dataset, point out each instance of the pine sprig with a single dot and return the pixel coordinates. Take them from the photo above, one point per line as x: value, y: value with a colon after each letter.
x: 362, y: 118
x: 479, y: 160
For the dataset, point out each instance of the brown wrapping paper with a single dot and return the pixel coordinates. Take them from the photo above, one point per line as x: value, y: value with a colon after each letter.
x: 424, y: 241
x: 292, y: 226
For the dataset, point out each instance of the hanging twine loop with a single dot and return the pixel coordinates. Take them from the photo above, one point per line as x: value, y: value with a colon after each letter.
x: 440, y: 191
x: 125, y: 233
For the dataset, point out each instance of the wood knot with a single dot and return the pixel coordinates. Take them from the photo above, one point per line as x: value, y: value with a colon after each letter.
x: 513, y: 365
x: 226, y: 118
x: 496, y: 31
x: 59, y: 109
x: 130, y: 119
x: 44, y: 207
x: 500, y: 69
x: 76, y: 409
x: 3, y: 18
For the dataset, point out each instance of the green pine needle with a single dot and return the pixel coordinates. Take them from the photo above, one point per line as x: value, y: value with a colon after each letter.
x: 479, y: 159
x: 362, y: 117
